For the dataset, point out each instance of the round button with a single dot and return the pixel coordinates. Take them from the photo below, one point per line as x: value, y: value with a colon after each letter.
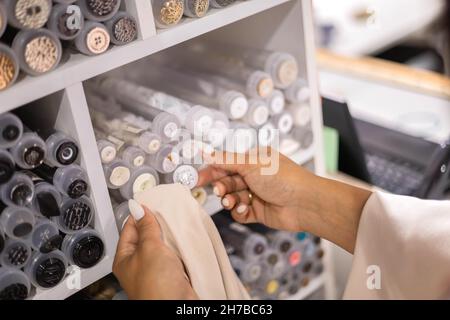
x: 97, y: 40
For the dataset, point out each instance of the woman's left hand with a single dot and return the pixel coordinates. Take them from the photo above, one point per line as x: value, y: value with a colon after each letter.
x: 145, y: 267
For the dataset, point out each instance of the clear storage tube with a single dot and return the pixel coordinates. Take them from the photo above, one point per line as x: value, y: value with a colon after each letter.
x: 281, y: 241
x: 39, y: 51
x: 220, y: 3
x: 10, y: 63
x: 228, y: 72
x: 200, y: 195
x: 133, y: 155
x: 166, y: 160
x: 62, y: 150
x: 11, y: 130
x: 122, y: 28
x: 16, y: 254
x: 267, y: 135
x: 284, y: 122
x: 17, y: 222
x: 298, y: 92
x: 304, y: 135
x: 71, y: 180
x: 248, y: 271
x: 47, y: 270
x: 93, y: 39
x: 276, y: 102
x: 84, y: 249
x: 66, y: 21
x: 76, y: 214
x: 185, y: 174
x: 197, y: 88
x: 28, y: 14
x: 142, y: 179
x: 99, y: 10
x: 107, y: 151
x: 14, y: 284
x: 7, y: 166
x: 18, y: 191
x: 241, y: 138
x: 301, y: 114
x: 167, y: 12
x: 30, y: 151
x: 140, y: 99
x: 281, y: 66
x: 45, y: 236
x: 258, y: 113
x: 246, y: 244
x: 195, y: 8
x: 274, y: 263
x: 117, y: 173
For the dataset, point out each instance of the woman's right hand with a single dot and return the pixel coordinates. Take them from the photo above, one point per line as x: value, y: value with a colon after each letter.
x: 291, y: 198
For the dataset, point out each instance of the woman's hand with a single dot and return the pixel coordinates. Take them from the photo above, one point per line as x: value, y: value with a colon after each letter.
x: 145, y: 267
x: 290, y: 199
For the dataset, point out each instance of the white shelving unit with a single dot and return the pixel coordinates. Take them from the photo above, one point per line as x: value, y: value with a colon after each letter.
x: 59, y: 99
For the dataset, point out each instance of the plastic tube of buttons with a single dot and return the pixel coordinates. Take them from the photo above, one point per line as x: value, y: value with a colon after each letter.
x: 76, y: 214
x: 11, y: 129
x: 18, y: 191
x: 16, y: 254
x: 30, y: 151
x: 66, y: 21
x: 84, y: 249
x: 17, y: 222
x: 47, y: 270
x: 39, y: 51
x: 14, y: 284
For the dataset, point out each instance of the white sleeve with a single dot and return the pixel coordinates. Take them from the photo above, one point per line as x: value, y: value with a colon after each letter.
x: 402, y: 250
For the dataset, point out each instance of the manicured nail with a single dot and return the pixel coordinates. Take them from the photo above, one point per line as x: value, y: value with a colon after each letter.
x: 216, y: 191
x: 136, y: 209
x: 241, y: 209
x: 225, y: 202
x: 124, y: 222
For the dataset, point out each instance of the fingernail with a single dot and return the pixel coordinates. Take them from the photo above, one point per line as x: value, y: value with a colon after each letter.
x: 124, y: 222
x: 216, y: 191
x: 241, y: 209
x: 225, y: 202
x: 136, y: 209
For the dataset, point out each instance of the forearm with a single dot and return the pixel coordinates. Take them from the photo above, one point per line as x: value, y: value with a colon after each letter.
x: 335, y: 209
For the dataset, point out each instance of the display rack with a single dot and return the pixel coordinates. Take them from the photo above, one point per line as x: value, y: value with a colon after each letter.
x: 284, y: 25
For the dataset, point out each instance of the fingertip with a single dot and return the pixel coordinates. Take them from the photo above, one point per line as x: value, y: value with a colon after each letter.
x: 218, y: 189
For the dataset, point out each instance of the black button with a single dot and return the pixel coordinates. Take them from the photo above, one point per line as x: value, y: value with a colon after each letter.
x: 11, y: 133
x: 67, y: 153
x: 77, y: 216
x: 16, y: 291
x: 21, y: 195
x: 23, y: 229
x: 88, y: 252
x: 48, y: 206
x: 77, y: 189
x: 50, y: 272
x: 34, y: 156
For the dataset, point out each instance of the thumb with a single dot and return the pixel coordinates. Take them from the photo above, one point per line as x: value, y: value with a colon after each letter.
x: 146, y: 224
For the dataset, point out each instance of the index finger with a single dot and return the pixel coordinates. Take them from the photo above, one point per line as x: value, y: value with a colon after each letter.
x: 210, y: 174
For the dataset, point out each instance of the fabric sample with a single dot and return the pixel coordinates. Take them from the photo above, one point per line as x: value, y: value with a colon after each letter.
x: 191, y: 233
x: 402, y: 250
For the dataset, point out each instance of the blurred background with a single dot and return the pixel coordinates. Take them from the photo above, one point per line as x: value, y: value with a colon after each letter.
x: 386, y: 63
